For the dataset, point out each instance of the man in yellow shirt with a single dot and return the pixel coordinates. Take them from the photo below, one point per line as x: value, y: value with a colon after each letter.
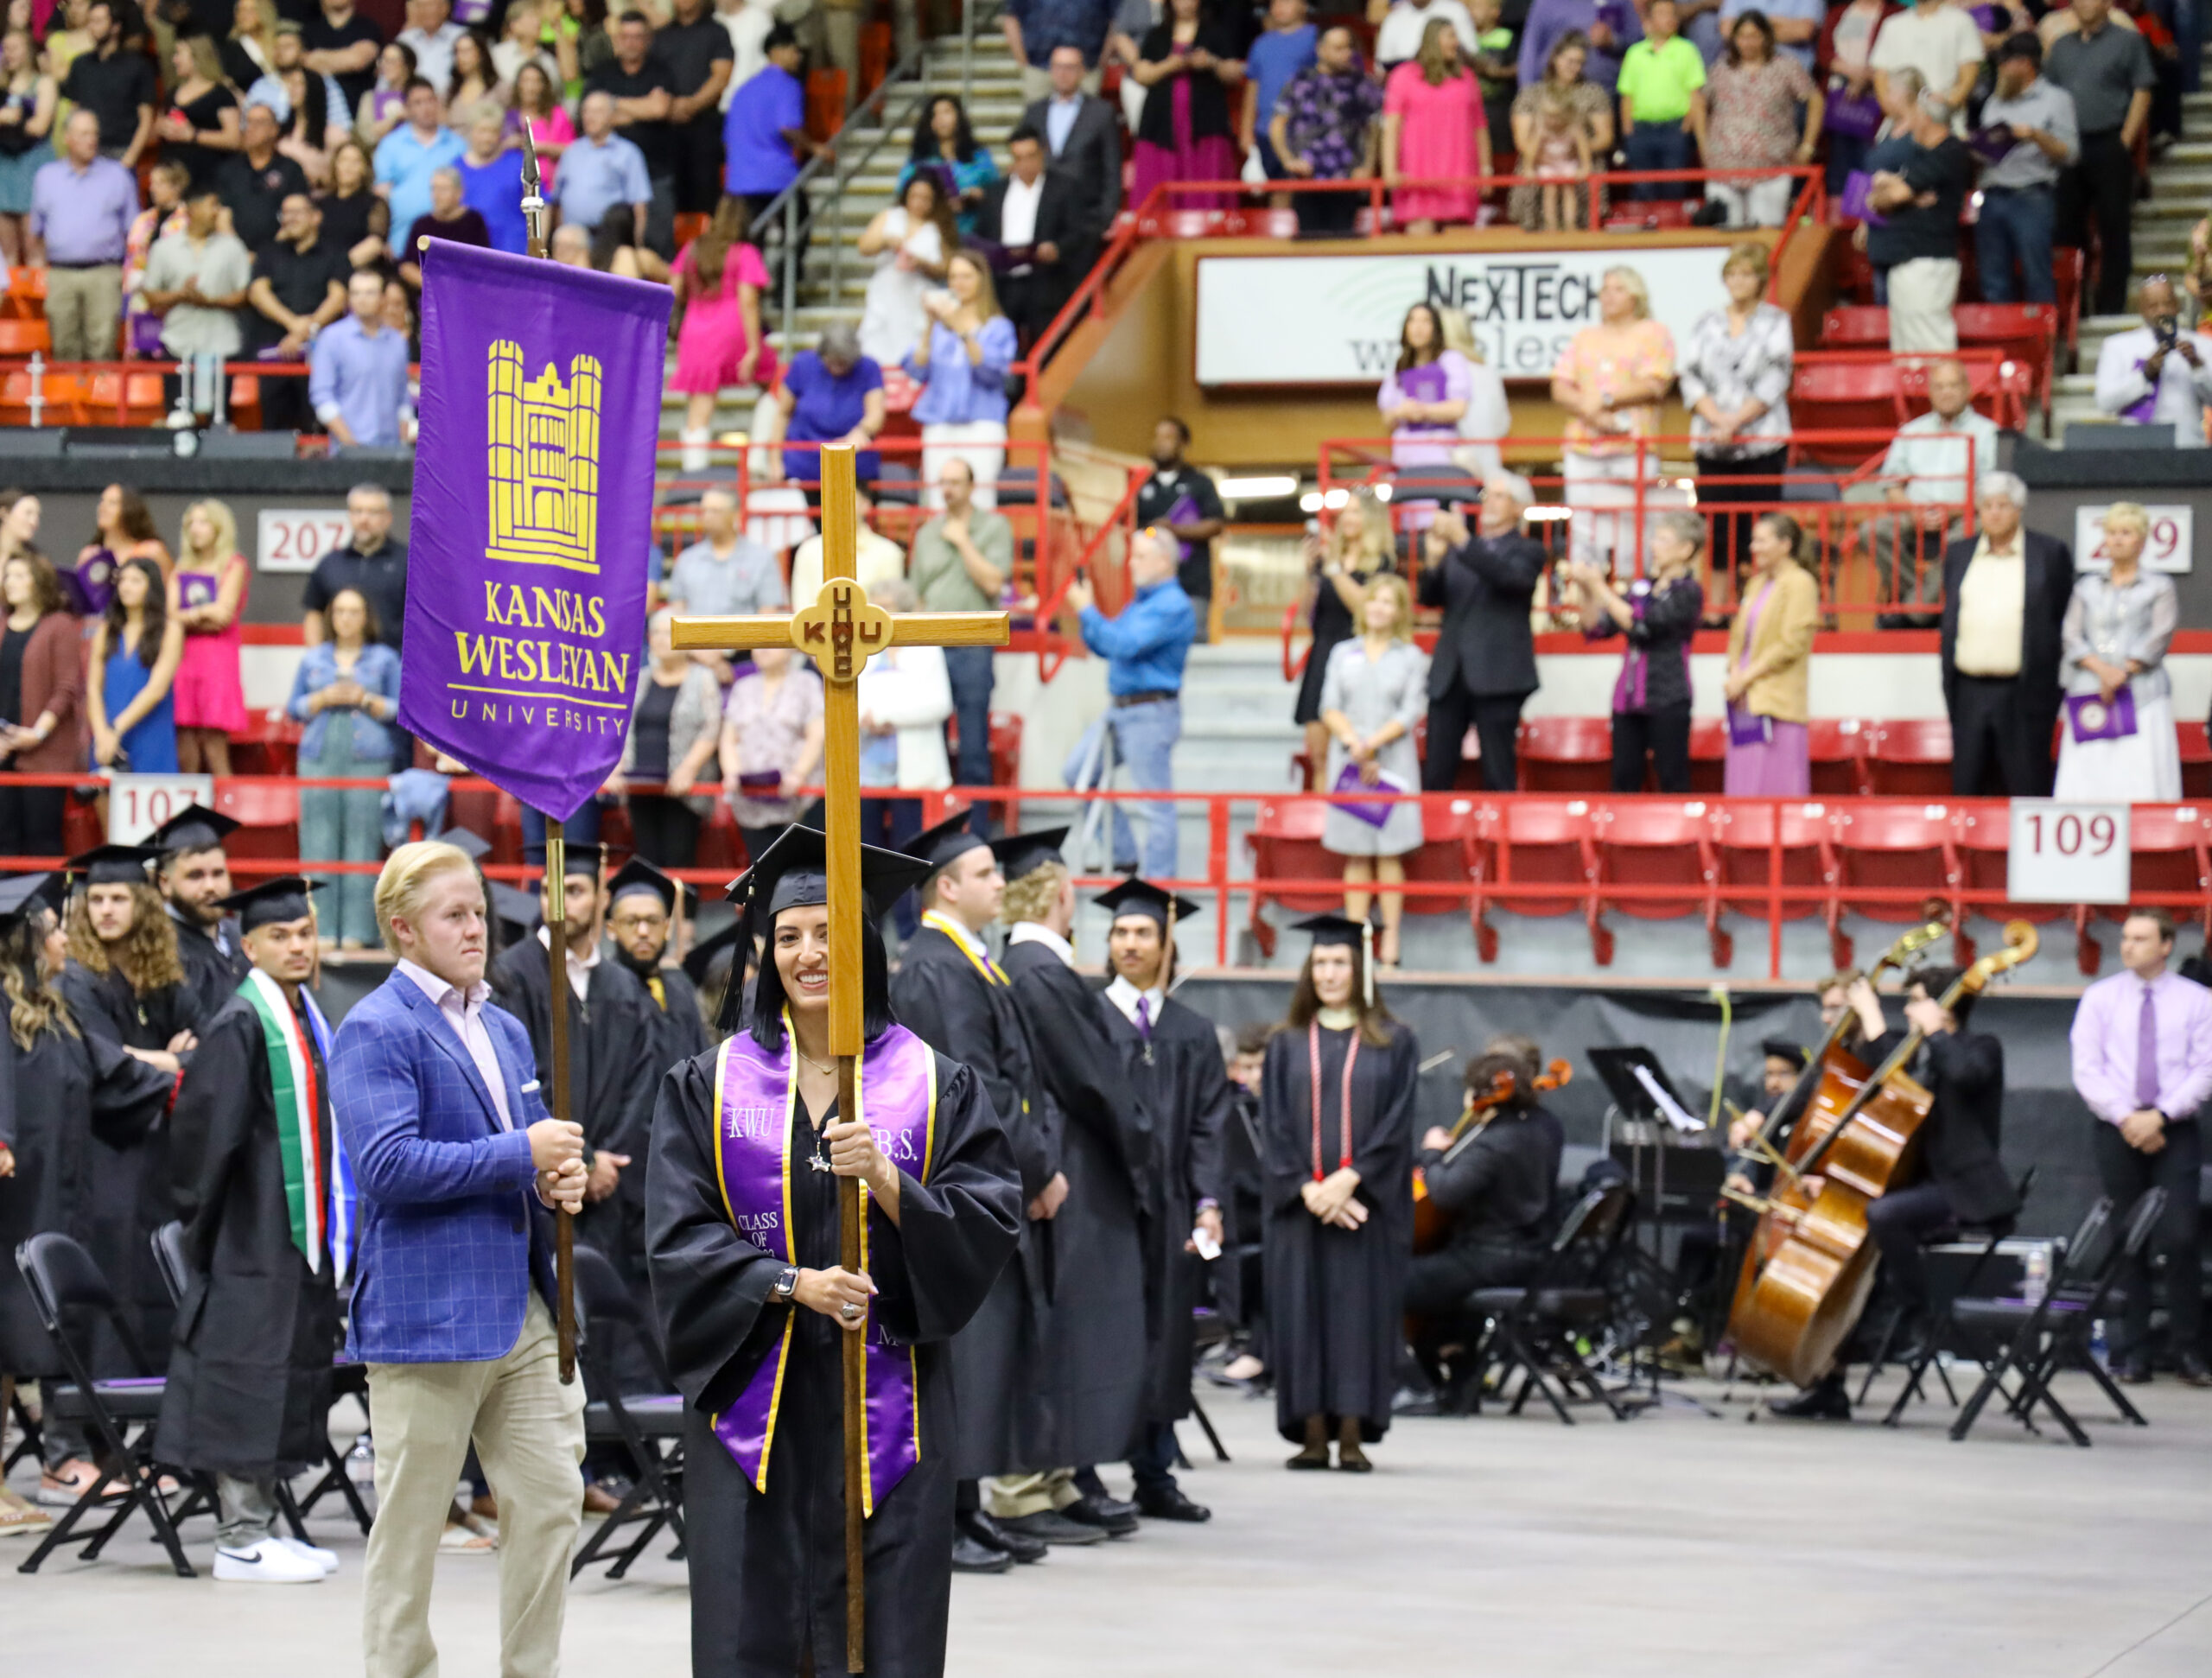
x: 1662, y: 101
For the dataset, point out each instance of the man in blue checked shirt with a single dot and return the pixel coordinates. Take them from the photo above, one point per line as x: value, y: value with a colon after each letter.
x: 1145, y: 649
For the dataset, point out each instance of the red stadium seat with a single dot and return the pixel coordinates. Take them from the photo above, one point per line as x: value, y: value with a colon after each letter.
x: 1536, y: 843
x: 1855, y: 395
x: 721, y: 844
x: 1285, y: 844
x: 25, y: 338
x: 2196, y: 759
x: 2000, y: 389
x: 1911, y: 757
x: 1880, y: 846
x: 2170, y: 843
x: 1565, y: 754
x: 1837, y: 746
x: 270, y: 745
x: 1984, y: 837
x: 1709, y: 754
x: 268, y: 813
x: 1855, y: 327
x: 1452, y: 852
x: 1743, y: 855
x: 1656, y: 842
x: 2027, y: 333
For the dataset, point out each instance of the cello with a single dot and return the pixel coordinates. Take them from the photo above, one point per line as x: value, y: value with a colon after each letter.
x: 1808, y: 1274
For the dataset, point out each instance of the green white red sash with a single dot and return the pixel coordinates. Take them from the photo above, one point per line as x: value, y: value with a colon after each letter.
x: 319, y: 1226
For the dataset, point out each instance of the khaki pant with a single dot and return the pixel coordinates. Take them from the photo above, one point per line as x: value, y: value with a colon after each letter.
x: 529, y: 1431
x: 1012, y: 1496
x: 83, y: 307
x: 1922, y: 294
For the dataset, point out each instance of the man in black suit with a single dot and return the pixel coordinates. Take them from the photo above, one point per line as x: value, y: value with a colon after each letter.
x: 1485, y: 664
x: 1035, y: 214
x: 1083, y: 141
x: 2005, y: 594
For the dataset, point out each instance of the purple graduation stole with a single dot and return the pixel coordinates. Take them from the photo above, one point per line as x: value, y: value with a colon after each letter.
x: 754, y: 1095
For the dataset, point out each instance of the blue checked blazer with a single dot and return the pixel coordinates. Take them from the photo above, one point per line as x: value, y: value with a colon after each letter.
x: 452, y: 1232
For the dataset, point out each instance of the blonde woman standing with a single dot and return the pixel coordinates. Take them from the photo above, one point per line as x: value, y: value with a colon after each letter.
x: 2118, y: 745
x: 1340, y: 565
x: 210, y: 590
x: 1487, y: 420
x: 1611, y: 381
x: 1376, y: 690
x: 1770, y: 643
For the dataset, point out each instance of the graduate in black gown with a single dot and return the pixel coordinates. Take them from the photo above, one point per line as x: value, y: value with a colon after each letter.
x: 1173, y: 1059
x: 713, y: 965
x: 267, y: 1231
x: 641, y: 905
x: 61, y: 1088
x: 1337, y: 1121
x: 1099, y: 1202
x: 742, y: 1229
x: 951, y: 994
x: 125, y: 985
x: 193, y: 873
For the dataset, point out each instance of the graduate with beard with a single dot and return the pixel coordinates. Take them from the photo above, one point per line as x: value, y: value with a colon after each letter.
x: 1100, y: 1202
x: 193, y: 875
x: 742, y: 1239
x: 1173, y: 1059
x: 68, y: 1097
x: 641, y: 905
x: 951, y: 995
x: 268, y: 1232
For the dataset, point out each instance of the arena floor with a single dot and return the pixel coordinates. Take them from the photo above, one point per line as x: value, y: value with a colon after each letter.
x: 1670, y: 1545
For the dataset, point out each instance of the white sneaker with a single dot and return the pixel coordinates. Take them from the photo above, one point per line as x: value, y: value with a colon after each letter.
x: 270, y: 1561
x: 326, y: 1559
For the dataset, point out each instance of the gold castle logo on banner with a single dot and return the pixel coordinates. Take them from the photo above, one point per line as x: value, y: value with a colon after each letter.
x: 543, y: 460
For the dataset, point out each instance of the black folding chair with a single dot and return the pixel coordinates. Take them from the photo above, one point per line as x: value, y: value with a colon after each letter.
x: 345, y: 1379
x: 1944, y: 1331
x: 1535, y: 1328
x: 2034, y: 1342
x: 63, y: 1282
x: 1209, y: 1329
x: 649, y: 1427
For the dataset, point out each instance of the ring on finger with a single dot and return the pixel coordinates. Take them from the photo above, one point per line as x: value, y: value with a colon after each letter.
x: 849, y: 1311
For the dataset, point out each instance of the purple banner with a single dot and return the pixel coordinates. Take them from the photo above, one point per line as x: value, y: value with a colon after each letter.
x: 532, y: 515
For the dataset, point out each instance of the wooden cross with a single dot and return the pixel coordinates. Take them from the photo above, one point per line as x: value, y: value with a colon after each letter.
x: 840, y: 630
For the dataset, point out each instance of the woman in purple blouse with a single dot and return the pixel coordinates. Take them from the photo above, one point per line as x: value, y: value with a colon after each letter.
x: 1659, y: 616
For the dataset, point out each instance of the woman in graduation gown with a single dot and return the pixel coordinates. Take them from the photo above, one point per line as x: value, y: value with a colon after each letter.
x: 59, y: 1087
x: 741, y: 1238
x: 1337, y: 1123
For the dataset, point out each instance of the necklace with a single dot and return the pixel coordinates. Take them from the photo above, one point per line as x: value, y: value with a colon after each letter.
x: 829, y: 1070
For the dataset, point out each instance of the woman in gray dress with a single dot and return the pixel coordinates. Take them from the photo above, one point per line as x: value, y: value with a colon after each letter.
x: 1375, y: 689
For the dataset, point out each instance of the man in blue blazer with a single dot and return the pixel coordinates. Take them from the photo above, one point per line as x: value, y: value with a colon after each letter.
x: 458, y: 1166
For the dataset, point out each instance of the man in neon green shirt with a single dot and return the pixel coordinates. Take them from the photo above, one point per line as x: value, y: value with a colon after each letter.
x: 1662, y: 101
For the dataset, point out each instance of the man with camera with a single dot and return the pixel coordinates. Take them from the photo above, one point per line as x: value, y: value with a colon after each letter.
x: 2156, y: 374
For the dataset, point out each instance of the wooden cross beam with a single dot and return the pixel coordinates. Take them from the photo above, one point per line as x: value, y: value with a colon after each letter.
x: 840, y: 630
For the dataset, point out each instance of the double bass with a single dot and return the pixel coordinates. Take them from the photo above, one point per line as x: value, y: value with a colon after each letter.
x: 1810, y: 1264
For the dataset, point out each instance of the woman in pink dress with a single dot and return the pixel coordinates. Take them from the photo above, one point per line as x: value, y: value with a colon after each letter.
x: 207, y: 596
x: 1434, y: 129
x: 1189, y: 62
x: 718, y: 279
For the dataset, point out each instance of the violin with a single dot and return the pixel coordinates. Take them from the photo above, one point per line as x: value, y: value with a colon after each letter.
x: 1810, y: 1266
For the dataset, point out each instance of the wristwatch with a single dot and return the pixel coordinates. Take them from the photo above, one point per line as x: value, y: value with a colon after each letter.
x: 786, y: 1285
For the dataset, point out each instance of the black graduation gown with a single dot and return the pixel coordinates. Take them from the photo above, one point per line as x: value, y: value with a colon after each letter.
x: 212, y: 972
x: 55, y: 1097
x: 131, y: 1195
x: 767, y: 1568
x: 679, y: 1030
x: 249, y: 1386
x: 1334, y: 1296
x: 1236, y: 1286
x: 1182, y: 1085
x: 998, y: 1360
x: 1093, y: 1367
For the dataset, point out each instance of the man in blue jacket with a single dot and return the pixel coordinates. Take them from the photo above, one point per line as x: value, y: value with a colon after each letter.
x: 1145, y: 649
x: 459, y: 1166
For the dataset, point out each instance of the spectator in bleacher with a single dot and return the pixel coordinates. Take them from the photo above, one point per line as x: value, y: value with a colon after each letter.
x: 249, y: 50
x: 210, y: 590
x: 198, y: 126
x: 2006, y: 592
x: 724, y: 573
x: 1035, y: 30
x: 1594, y: 108
x: 384, y: 108
x: 876, y: 558
x: 747, y: 22
x: 946, y: 147
x: 27, y: 101
x: 357, y: 370
x: 412, y: 153
x: 1662, y: 101
x: 1770, y: 646
x: 430, y: 35
x: 1422, y: 400
x: 1612, y: 379
x: 448, y: 217
x: 1496, y: 61
x: 764, y: 132
x: 1920, y: 176
x: 520, y: 43
x: 962, y: 560
x: 832, y: 393
x: 346, y: 691
x: 1188, y: 63
x: 1489, y: 417
x: 1324, y: 129
x: 1279, y: 52
x: 20, y: 512
x: 254, y: 184
x: 1607, y: 27
x: 2107, y: 70
x: 2020, y: 191
x: 196, y: 280
x: 1938, y: 42
x: 474, y: 81
x: 123, y: 529
x: 41, y: 703
x: 341, y: 43
x: 1340, y: 565
x: 1374, y: 693
x: 602, y: 172
x: 904, y: 699
x: 2118, y: 745
x: 1659, y: 614
x: 1434, y: 129
x: 1735, y: 372
x: 771, y: 746
x: 1752, y: 123
x: 310, y: 127
x: 2160, y: 373
x: 136, y: 647
x: 1146, y: 648
x: 1132, y: 21
x: 910, y: 242
x: 675, y: 724
x: 1485, y: 664
x: 116, y: 84
x: 1404, y: 26
x: 1035, y: 216
x: 82, y: 208
x: 643, y: 89
x: 1182, y: 500
x: 374, y: 563
x: 356, y: 221
x: 696, y: 50
x: 68, y: 35
x: 961, y: 362
x: 1935, y: 465
x: 1795, y: 24
x: 1854, y: 113
x: 491, y: 180
x: 1082, y: 136
x: 719, y: 278
x: 575, y: 31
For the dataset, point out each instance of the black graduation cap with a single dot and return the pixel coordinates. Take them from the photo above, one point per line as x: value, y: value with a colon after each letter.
x: 639, y: 875
x: 580, y: 858
x: 469, y: 842
x: 701, y: 957
x: 1141, y: 897
x: 1024, y: 853
x: 945, y: 843
x: 1780, y: 1048
x: 283, y: 898
x: 112, y: 865
x: 794, y: 871
x: 515, y: 907
x: 1330, y: 929
x: 19, y: 894
x: 192, y: 829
